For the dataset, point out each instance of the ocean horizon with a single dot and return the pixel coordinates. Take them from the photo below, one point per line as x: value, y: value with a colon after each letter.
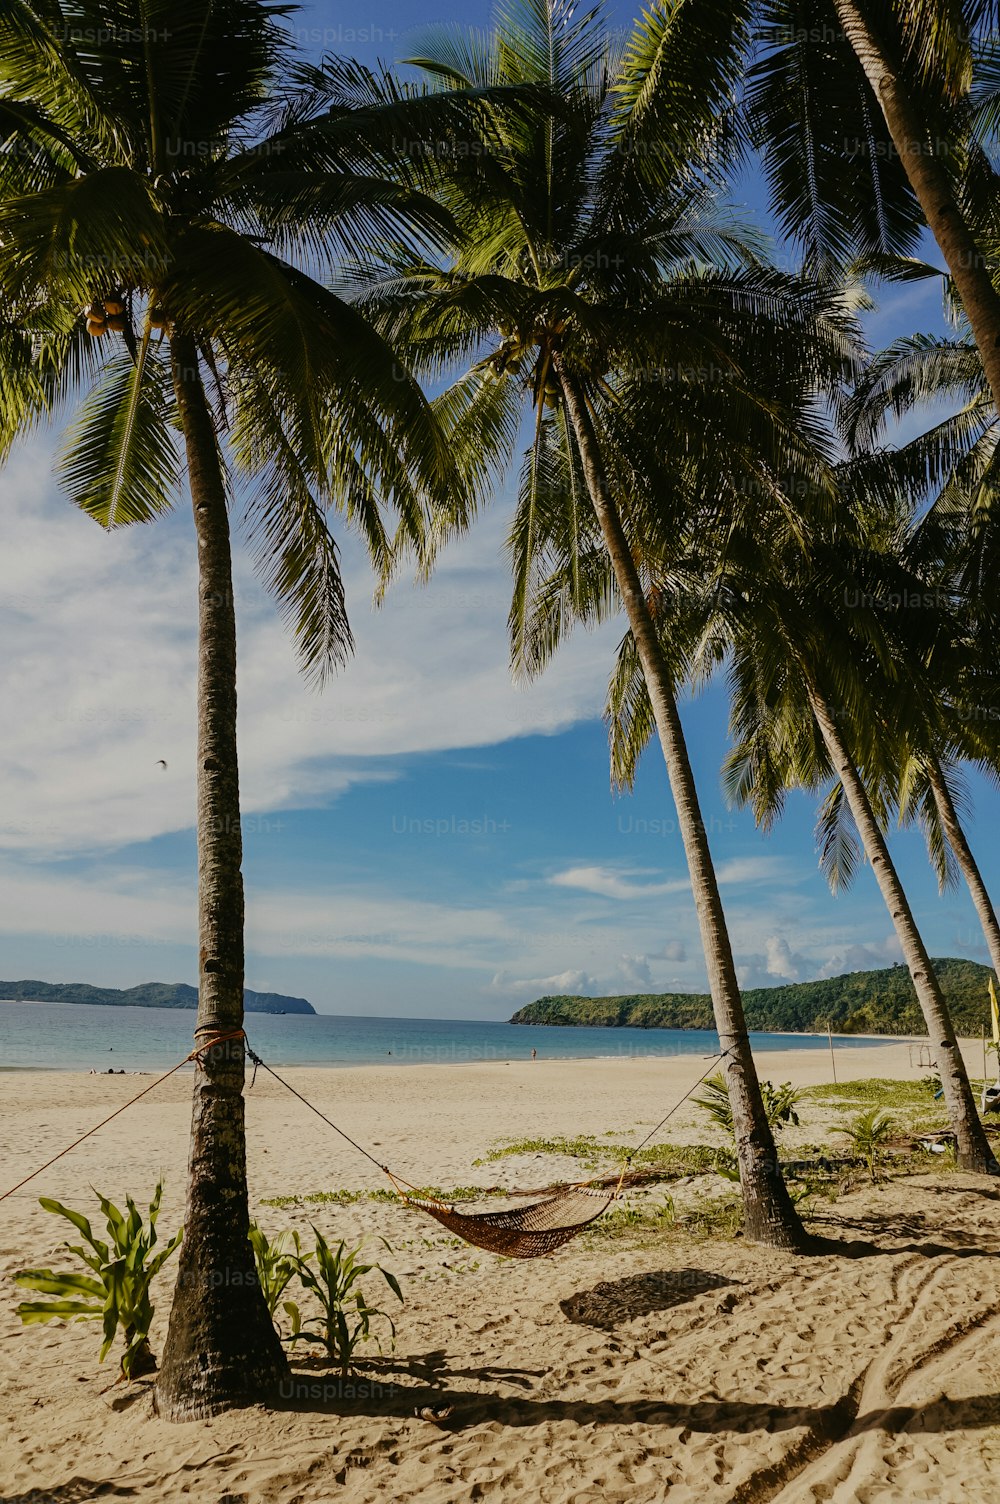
x: 86, y: 1036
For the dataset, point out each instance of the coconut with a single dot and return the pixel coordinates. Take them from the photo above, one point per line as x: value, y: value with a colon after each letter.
x: 157, y: 318
x: 96, y: 327
x: 117, y: 322
x: 114, y: 306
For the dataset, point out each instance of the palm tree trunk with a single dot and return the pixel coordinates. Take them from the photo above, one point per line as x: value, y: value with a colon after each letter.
x: 769, y: 1215
x: 221, y: 1349
x: 932, y: 188
x: 952, y: 826
x: 971, y: 1145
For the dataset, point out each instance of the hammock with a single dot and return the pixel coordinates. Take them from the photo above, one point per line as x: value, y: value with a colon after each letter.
x: 526, y: 1232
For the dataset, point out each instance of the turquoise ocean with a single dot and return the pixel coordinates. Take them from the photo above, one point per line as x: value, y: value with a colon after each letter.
x: 75, y: 1036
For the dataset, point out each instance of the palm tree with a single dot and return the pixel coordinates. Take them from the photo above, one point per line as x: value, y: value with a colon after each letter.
x: 867, y: 114
x: 809, y: 661
x: 583, y: 291
x: 954, y: 547
x: 187, y: 173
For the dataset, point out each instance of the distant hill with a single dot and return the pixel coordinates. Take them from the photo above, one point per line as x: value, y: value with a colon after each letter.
x: 862, y: 1002
x: 146, y: 995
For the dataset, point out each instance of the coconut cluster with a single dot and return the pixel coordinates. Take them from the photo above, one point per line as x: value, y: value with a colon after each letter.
x: 110, y: 314
x: 106, y: 314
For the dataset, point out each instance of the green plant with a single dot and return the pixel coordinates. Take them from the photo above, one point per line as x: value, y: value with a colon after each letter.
x: 346, y: 1313
x: 714, y: 1100
x: 275, y: 1267
x: 653, y: 1216
x: 779, y: 1103
x: 805, y: 1193
x: 869, y: 1133
x: 117, y: 1291
x: 714, y: 1217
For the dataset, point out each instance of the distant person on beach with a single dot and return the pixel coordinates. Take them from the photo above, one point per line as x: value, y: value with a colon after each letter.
x: 534, y: 1053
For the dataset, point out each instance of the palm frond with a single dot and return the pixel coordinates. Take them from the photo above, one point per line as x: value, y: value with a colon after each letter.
x: 676, y: 88
x: 629, y: 714
x: 286, y: 526
x: 120, y: 463
x: 840, y: 850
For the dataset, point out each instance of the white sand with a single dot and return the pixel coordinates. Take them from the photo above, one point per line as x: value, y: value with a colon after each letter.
x: 685, y: 1370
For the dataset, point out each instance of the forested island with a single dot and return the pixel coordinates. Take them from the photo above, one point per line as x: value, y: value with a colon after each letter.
x: 861, y: 1002
x: 146, y: 995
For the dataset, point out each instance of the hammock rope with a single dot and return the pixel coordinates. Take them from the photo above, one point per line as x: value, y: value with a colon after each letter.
x: 195, y: 1055
x: 523, y: 1232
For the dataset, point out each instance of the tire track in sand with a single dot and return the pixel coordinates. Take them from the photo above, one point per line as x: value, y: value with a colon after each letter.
x: 832, y: 1464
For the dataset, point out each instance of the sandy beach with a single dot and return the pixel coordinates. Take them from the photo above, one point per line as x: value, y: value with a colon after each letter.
x: 658, y: 1366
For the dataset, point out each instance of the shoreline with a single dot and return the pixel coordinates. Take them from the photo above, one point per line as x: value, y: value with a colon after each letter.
x: 846, y: 1042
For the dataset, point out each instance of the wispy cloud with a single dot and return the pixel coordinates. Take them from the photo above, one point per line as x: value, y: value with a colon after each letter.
x: 625, y: 883
x: 618, y: 883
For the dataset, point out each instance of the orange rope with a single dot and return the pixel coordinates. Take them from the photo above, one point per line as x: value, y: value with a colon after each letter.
x: 194, y: 1055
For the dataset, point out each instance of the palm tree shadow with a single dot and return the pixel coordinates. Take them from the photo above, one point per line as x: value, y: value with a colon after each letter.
x: 885, y: 1226
x: 75, y: 1491
x: 985, y: 1192
x: 608, y: 1304
x: 434, y: 1369
x: 456, y: 1409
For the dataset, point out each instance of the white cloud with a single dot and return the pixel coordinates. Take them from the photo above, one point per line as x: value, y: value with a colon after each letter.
x: 780, y: 960
x: 636, y: 972
x: 745, y: 871
x: 609, y: 882
x: 886, y: 952
x: 98, y: 678
x: 573, y: 983
x: 619, y: 883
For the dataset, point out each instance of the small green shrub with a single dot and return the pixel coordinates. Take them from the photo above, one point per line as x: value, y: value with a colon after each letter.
x: 275, y: 1266
x: 116, y: 1292
x: 779, y: 1103
x: 346, y: 1315
x: 868, y: 1134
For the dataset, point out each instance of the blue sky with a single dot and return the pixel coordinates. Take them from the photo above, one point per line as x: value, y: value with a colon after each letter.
x: 422, y: 839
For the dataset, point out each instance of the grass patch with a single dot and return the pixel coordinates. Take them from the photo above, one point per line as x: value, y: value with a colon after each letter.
x: 677, y: 1159
x: 714, y: 1217
x: 624, y: 1220
x: 349, y: 1198
x: 709, y: 1218
x: 674, y: 1159
x: 585, y: 1148
x: 876, y: 1092
x: 910, y: 1103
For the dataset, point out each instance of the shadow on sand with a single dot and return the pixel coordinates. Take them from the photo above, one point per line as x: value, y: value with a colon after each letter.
x: 611, y: 1302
